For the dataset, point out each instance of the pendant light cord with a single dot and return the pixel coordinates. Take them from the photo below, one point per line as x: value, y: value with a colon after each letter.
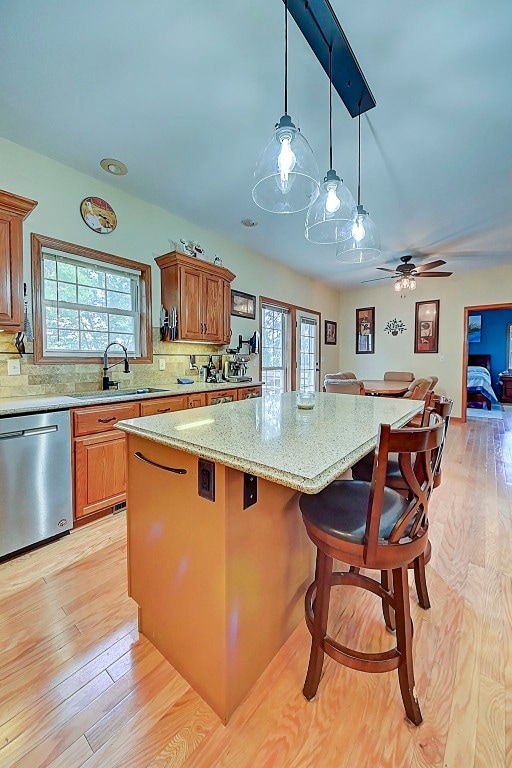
x: 359, y: 161
x: 286, y: 57
x: 330, y: 106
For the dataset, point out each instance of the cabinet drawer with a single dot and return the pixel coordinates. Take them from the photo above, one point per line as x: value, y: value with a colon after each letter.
x: 197, y: 401
x: 162, y: 405
x: 221, y: 396
x: 247, y: 392
x: 100, y: 418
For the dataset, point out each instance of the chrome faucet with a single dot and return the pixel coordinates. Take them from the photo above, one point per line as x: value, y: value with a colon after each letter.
x: 107, y: 383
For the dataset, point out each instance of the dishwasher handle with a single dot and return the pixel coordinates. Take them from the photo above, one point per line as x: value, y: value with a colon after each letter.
x: 141, y: 457
x: 28, y: 432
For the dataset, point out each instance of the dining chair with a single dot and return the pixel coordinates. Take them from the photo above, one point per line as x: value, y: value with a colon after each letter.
x: 345, y: 386
x: 368, y: 525
x: 430, y: 392
x: 398, y: 376
x: 417, y: 389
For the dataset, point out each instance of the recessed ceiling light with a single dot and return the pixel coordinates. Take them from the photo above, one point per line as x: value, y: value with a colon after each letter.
x: 249, y: 223
x: 115, y: 167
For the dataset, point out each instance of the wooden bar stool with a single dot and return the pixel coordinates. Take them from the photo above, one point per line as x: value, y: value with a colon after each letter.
x: 367, y: 525
x: 363, y: 471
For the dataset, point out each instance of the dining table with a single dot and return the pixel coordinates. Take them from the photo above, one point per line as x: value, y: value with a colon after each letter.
x: 385, y: 387
x: 218, y: 558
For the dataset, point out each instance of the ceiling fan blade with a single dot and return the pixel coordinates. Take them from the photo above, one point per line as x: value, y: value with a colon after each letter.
x: 433, y: 274
x: 430, y: 265
x: 385, y: 269
x: 377, y: 278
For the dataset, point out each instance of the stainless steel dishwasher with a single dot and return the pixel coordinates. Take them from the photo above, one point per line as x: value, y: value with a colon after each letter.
x: 35, y: 479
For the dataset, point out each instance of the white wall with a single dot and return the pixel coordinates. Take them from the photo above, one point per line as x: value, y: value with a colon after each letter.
x: 143, y: 232
x: 493, y: 286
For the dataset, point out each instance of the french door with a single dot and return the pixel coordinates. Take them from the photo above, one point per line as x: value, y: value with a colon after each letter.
x: 290, y: 348
x: 307, y: 351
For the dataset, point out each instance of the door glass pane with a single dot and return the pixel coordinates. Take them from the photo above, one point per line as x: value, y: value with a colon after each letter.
x: 273, y: 349
x: 307, y: 353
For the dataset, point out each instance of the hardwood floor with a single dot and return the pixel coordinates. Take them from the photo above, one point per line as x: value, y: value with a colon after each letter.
x: 78, y: 687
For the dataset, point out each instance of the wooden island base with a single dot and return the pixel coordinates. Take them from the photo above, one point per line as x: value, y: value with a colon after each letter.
x: 220, y: 588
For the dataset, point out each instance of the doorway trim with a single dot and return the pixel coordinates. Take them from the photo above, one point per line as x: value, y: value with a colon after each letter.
x: 467, y: 310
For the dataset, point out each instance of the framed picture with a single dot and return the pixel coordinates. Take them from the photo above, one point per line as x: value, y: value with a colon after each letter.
x: 426, y: 326
x: 330, y: 332
x: 243, y: 304
x: 365, y: 331
x: 474, y: 328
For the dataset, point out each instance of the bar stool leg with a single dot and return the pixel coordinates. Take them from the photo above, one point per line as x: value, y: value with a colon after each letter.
x: 387, y: 610
x: 404, y: 645
x: 321, y: 613
x: 421, y: 582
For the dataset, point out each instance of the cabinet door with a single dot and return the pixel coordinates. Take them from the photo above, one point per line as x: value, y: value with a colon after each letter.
x: 191, y: 321
x: 197, y: 401
x: 221, y: 396
x: 247, y: 392
x: 11, y: 280
x: 100, y: 472
x: 227, y: 313
x: 162, y: 405
x: 213, y: 308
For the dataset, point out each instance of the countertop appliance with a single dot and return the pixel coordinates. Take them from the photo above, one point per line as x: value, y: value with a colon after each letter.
x: 35, y: 479
x: 235, y: 368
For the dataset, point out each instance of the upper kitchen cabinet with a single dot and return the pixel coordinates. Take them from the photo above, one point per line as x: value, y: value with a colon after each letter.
x: 200, y: 291
x: 13, y: 209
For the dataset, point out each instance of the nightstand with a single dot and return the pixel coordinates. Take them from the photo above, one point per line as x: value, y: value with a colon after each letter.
x: 506, y: 382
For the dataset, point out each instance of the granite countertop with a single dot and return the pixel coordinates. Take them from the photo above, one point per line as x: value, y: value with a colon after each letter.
x: 11, y: 406
x: 271, y: 438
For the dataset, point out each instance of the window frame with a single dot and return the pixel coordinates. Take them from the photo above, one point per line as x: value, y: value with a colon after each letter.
x: 38, y: 243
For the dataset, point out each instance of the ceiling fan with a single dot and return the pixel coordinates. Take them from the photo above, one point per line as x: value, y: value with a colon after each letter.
x: 409, y: 270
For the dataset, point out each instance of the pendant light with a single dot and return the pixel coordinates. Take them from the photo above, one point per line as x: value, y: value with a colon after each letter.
x: 328, y: 216
x: 286, y: 175
x: 363, y: 242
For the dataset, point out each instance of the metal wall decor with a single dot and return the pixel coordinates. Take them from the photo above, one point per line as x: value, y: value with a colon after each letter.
x: 394, y: 327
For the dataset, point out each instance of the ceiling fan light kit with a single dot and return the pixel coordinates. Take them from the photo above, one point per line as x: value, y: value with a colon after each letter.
x: 286, y: 175
x: 407, y: 273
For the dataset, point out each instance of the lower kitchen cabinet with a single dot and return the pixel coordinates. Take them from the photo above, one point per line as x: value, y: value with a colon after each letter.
x: 248, y: 392
x: 100, y: 472
x: 196, y: 401
x: 99, y: 465
x: 221, y: 396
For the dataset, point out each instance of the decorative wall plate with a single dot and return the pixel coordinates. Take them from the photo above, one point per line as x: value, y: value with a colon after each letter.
x: 98, y: 215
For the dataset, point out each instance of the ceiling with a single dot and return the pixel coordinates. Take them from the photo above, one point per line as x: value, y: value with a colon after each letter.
x: 186, y: 94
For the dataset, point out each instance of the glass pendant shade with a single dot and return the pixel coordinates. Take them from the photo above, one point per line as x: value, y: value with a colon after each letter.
x: 286, y: 175
x: 362, y: 243
x: 333, y: 209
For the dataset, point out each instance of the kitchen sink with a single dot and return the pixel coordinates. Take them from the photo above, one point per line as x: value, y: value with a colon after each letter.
x: 116, y: 393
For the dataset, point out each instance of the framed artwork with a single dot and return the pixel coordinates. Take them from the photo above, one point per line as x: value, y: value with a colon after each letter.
x: 243, y: 304
x: 426, y: 326
x: 98, y: 215
x: 474, y: 328
x: 330, y: 332
x: 365, y: 331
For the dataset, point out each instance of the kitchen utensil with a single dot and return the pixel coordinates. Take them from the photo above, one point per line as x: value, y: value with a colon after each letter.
x: 19, y: 344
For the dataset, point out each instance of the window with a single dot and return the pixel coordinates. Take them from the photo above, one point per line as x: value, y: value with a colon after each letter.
x: 84, y: 300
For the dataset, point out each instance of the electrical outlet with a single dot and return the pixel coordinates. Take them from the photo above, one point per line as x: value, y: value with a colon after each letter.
x: 161, y: 364
x: 13, y: 368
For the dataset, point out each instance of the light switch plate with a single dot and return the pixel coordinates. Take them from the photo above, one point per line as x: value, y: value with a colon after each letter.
x: 13, y: 368
x: 161, y: 365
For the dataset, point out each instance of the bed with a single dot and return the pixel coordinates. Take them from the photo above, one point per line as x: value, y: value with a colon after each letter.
x: 479, y: 386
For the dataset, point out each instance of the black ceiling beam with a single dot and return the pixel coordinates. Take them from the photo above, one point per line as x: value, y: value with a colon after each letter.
x: 321, y: 28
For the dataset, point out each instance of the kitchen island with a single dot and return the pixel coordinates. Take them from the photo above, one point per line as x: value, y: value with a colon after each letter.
x: 218, y: 557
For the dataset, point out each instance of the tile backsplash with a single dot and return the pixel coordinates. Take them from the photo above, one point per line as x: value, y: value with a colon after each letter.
x: 61, y: 379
